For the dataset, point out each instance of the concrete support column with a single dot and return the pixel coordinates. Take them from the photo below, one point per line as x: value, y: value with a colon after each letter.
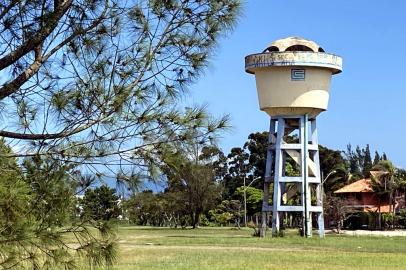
x: 305, y: 154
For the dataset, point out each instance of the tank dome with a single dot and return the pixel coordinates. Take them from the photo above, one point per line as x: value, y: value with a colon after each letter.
x: 292, y: 44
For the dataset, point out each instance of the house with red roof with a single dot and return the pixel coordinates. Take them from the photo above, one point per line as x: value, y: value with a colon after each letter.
x: 360, y: 197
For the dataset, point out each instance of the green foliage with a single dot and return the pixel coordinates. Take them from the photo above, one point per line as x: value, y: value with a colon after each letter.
x: 257, y: 145
x: 204, y: 221
x: 249, y: 163
x: 97, y: 83
x: 254, y: 227
x: 238, y: 169
x: 335, y: 171
x: 389, y: 219
x: 377, y: 158
x: 226, y: 212
x: 360, y: 161
x: 198, y: 189
x: 384, y: 182
x: 191, y: 169
x: 147, y: 208
x: 367, y: 163
x: 100, y: 203
x: 119, y: 70
x: 402, y: 218
x: 330, y: 160
x: 292, y: 168
x: 36, y: 206
x: 254, y: 199
x: 221, y: 218
x: 52, y: 189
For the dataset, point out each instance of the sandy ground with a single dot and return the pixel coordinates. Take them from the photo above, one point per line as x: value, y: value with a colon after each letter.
x: 375, y: 233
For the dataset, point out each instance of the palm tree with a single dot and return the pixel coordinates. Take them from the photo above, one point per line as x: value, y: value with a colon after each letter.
x: 401, y: 182
x: 385, y: 183
x: 336, y: 179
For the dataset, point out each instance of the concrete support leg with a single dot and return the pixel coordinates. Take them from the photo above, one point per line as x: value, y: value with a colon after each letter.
x: 308, y: 232
x: 320, y: 222
x: 275, y: 223
x: 268, y: 178
x: 320, y: 216
x: 293, y: 139
x: 265, y: 209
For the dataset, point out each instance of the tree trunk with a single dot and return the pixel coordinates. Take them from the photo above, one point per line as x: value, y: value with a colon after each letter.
x: 339, y: 226
x: 262, y: 231
x: 237, y: 222
x: 196, y: 219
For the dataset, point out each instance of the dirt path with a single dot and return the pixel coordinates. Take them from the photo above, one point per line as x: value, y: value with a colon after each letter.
x: 203, y: 247
x: 375, y: 233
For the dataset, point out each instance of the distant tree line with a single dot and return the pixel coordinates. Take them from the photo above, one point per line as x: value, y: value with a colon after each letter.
x: 206, y: 186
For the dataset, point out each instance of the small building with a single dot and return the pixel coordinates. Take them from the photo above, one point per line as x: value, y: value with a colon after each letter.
x: 361, y: 198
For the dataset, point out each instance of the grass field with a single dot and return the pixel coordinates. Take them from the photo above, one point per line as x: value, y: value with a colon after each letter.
x: 225, y: 248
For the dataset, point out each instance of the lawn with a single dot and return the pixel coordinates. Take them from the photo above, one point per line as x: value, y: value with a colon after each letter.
x: 226, y: 248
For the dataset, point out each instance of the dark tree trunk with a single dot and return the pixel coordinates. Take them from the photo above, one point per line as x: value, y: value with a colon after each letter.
x: 196, y: 218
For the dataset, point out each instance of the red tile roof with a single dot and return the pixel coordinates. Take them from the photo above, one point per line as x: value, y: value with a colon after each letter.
x: 363, y: 185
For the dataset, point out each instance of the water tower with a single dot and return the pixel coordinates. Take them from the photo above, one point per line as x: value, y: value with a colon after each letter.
x: 293, y: 79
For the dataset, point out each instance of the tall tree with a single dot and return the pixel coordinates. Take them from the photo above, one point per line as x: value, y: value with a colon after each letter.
x: 334, y: 170
x: 330, y: 160
x: 367, y: 162
x: 359, y: 161
x: 100, y: 203
x: 385, y: 183
x: 377, y: 158
x: 191, y: 173
x: 257, y: 146
x: 352, y: 160
x: 238, y: 169
x: 97, y: 83
x: 197, y: 188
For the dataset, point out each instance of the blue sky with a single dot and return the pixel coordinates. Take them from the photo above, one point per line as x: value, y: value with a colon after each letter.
x: 367, y: 101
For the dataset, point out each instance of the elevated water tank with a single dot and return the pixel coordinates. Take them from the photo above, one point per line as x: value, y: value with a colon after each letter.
x: 293, y: 77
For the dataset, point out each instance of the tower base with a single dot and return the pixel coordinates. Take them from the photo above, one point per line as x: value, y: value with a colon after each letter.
x: 293, y: 167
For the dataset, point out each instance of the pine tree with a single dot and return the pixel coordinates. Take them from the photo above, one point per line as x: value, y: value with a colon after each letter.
x: 377, y: 158
x: 36, y: 216
x: 353, y: 159
x: 100, y: 203
x: 94, y: 83
x: 119, y: 69
x: 367, y: 162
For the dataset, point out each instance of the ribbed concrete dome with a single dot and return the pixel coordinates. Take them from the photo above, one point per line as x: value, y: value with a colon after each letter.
x: 292, y: 44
